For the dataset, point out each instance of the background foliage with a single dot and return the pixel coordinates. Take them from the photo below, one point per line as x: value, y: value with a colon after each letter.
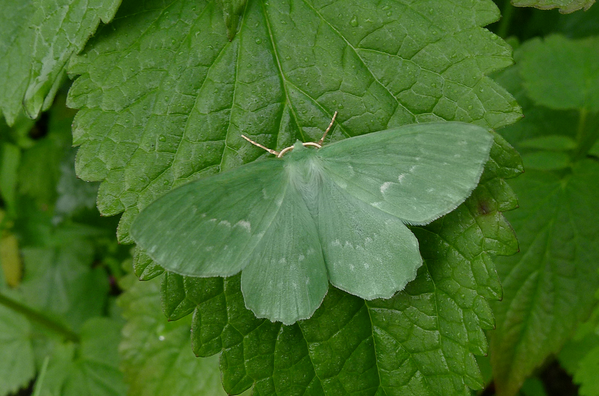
x: 164, y: 89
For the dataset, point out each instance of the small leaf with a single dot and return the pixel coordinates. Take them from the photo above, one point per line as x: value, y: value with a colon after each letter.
x: 551, y: 84
x: 565, y: 6
x: 17, y: 366
x: 55, y: 30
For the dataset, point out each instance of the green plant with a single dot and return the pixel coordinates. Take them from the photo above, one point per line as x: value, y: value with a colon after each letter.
x: 163, y: 92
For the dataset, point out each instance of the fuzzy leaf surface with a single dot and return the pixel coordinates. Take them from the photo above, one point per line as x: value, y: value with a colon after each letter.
x: 37, y: 39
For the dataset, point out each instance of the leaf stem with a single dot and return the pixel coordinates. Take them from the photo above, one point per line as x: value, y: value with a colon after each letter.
x: 506, y: 19
x: 39, y: 318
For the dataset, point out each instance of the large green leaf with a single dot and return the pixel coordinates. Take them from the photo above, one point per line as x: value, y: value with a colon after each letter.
x: 164, y: 98
x: 420, y: 342
x: 156, y: 357
x: 37, y: 39
x: 17, y: 367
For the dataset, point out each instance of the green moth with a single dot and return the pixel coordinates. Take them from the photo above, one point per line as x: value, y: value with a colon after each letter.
x: 315, y: 215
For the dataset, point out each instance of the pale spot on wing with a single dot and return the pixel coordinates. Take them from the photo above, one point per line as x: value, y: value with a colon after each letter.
x: 385, y: 187
x: 245, y: 225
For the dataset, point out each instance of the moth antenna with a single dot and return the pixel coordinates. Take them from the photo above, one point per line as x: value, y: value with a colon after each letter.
x: 261, y: 146
x: 328, y: 129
